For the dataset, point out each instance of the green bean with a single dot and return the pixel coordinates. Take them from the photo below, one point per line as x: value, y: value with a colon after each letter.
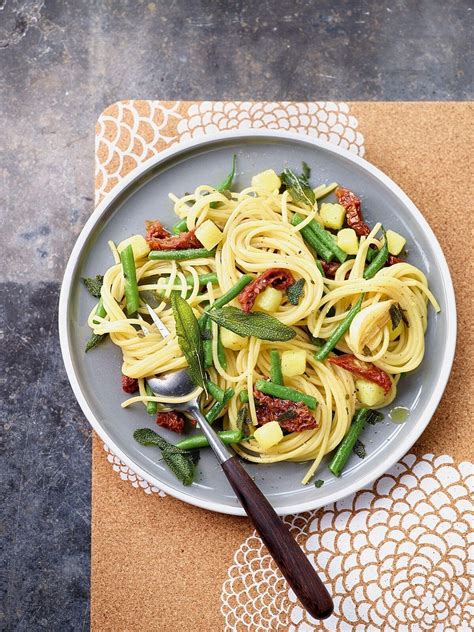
x: 285, y: 392
x: 371, y: 254
x: 326, y: 238
x: 181, y: 255
x: 340, y: 330
x: 205, y: 326
x: 130, y: 275
x: 221, y: 352
x: 215, y: 391
x: 344, y: 449
x: 227, y: 182
x: 244, y: 396
x: 209, y: 277
x: 276, y: 376
x: 379, y: 260
x: 217, y: 407
x: 200, y: 441
x: 180, y: 227
x: 320, y: 267
x: 151, y: 407
x: 234, y: 291
x: 311, y: 238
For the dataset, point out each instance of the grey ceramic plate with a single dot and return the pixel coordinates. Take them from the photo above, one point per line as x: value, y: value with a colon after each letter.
x: 95, y: 377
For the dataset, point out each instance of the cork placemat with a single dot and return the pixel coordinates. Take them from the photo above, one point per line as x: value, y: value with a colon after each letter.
x: 396, y: 556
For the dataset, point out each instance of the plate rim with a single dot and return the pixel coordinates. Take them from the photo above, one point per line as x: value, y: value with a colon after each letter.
x: 402, y: 446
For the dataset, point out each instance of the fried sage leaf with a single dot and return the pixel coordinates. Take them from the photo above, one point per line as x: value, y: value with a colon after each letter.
x: 181, y: 462
x: 294, y: 291
x: 189, y: 338
x: 93, y: 284
x: 298, y: 187
x: 256, y: 324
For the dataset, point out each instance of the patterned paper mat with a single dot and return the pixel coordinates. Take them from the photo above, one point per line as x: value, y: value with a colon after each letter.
x: 395, y: 556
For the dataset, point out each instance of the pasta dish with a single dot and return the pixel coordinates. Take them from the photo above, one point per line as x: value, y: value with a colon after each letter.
x: 307, y: 317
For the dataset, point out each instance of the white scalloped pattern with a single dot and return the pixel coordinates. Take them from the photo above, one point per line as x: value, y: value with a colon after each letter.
x: 398, y: 556
x: 127, y: 134
x: 126, y: 474
x: 322, y: 119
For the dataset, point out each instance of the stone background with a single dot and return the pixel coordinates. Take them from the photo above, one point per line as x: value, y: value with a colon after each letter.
x: 61, y: 63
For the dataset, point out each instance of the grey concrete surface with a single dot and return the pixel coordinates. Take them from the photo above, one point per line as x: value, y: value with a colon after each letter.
x: 61, y: 63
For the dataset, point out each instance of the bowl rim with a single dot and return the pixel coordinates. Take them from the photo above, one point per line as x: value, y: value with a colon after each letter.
x: 403, y: 444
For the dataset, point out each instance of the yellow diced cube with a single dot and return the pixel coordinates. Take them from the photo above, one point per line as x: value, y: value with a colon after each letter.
x: 209, y: 234
x: 269, y: 300
x: 332, y: 215
x: 347, y: 241
x: 268, y: 435
x: 369, y: 393
x: 267, y: 180
x: 232, y: 341
x: 395, y: 242
x: 139, y: 246
x: 293, y: 362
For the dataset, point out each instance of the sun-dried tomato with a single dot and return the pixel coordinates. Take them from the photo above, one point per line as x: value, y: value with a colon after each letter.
x: 392, y: 260
x: 158, y: 238
x: 129, y: 384
x: 330, y: 269
x: 170, y: 420
x: 155, y: 230
x: 351, y: 202
x: 294, y: 417
x: 365, y: 370
x: 279, y: 278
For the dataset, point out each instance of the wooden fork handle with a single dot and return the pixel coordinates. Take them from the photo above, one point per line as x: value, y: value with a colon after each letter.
x: 276, y: 536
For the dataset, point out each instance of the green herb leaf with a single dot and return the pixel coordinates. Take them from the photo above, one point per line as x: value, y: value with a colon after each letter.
x: 294, y: 291
x: 189, y: 338
x: 244, y: 420
x: 94, y: 340
x: 146, y: 436
x: 306, y: 171
x: 395, y: 315
x: 241, y: 417
x: 181, y: 462
x: 374, y: 417
x: 359, y: 449
x: 319, y: 483
x: 94, y: 285
x: 298, y: 187
x: 256, y: 324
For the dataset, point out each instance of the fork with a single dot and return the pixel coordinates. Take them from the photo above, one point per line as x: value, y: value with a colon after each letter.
x: 281, y: 545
